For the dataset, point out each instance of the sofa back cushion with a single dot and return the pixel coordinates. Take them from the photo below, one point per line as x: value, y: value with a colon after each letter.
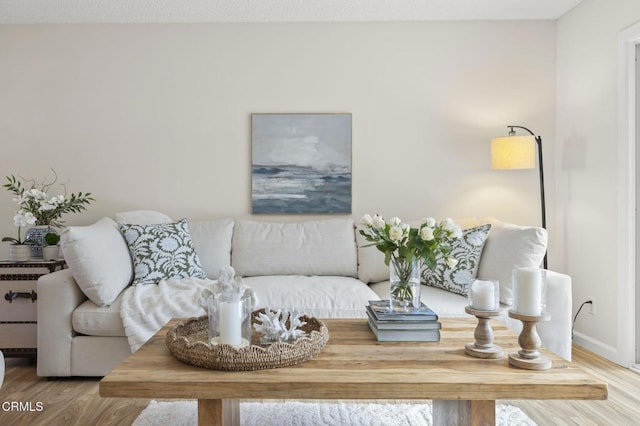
x: 98, y: 258
x: 324, y: 247
x: 371, y: 267
x: 142, y: 217
x: 212, y: 240
x: 509, y: 246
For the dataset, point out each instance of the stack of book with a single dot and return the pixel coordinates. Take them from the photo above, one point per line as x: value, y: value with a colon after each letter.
x: 417, y: 325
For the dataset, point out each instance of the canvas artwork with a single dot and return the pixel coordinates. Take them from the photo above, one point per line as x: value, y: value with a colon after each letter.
x: 301, y: 163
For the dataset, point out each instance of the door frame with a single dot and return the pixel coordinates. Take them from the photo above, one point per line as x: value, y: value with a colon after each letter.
x: 627, y: 196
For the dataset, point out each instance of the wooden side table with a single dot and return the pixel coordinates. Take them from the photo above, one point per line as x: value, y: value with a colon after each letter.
x: 18, y: 309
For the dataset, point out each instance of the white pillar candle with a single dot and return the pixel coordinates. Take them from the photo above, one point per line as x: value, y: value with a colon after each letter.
x: 483, y: 296
x: 528, y: 295
x: 231, y: 322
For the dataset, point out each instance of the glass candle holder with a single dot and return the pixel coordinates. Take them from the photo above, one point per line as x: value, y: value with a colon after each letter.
x: 529, y: 291
x: 230, y: 319
x: 484, y: 295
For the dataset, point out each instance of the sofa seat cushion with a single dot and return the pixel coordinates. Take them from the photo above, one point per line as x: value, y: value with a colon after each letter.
x: 93, y: 320
x: 320, y: 247
x: 318, y: 296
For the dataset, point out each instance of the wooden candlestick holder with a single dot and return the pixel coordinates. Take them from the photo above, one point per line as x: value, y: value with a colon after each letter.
x: 529, y: 357
x: 483, y: 346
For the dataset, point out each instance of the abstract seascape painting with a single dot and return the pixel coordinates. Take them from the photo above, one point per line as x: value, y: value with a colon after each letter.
x: 301, y: 163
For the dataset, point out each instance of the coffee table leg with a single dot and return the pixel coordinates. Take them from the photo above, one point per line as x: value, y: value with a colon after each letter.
x: 218, y: 412
x: 467, y: 413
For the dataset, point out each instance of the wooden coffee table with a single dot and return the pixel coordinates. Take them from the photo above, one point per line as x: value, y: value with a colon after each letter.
x: 353, y: 366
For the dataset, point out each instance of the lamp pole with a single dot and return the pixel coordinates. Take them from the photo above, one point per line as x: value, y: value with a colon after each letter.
x: 538, y: 140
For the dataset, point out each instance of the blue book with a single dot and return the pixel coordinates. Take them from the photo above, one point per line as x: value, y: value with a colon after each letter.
x: 404, y: 325
x: 404, y: 335
x: 381, y: 311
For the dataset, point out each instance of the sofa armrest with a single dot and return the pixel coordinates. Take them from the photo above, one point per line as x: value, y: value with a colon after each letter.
x: 58, y: 297
x: 556, y: 333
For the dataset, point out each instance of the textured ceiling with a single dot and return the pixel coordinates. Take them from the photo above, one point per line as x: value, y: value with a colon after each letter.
x: 165, y: 11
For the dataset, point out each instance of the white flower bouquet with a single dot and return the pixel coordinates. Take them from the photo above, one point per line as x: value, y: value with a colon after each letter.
x: 402, y: 245
x: 35, y: 207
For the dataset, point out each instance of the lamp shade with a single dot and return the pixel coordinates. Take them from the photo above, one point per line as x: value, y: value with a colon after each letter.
x: 513, y: 152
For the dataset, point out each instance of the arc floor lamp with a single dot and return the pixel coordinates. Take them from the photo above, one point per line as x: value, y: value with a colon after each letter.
x: 519, y: 152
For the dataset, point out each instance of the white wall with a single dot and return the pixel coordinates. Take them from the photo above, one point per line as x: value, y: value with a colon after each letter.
x: 158, y: 116
x: 587, y: 157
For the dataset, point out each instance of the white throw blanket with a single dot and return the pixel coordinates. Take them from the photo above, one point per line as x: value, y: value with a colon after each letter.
x: 147, y: 308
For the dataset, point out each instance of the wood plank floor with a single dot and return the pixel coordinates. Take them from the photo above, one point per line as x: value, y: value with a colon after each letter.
x: 76, y: 401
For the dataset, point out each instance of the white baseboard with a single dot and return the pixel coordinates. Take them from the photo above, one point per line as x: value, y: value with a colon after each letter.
x: 596, y: 346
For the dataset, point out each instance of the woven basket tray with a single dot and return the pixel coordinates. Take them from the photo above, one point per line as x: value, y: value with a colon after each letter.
x: 187, y: 341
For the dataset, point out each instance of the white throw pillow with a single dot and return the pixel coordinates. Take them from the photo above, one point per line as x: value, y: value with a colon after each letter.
x: 98, y: 258
x: 467, y: 250
x: 162, y: 251
x: 142, y: 217
x: 509, y: 246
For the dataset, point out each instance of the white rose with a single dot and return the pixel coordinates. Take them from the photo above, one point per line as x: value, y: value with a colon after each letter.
x: 452, y: 228
x: 451, y: 261
x: 395, y: 233
x: 448, y: 224
x: 378, y: 222
x: 367, y: 220
x: 426, y: 233
x: 429, y: 221
x: 457, y: 232
x: 405, y: 228
x: 395, y: 221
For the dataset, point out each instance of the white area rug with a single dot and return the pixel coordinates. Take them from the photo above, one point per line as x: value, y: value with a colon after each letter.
x: 184, y: 413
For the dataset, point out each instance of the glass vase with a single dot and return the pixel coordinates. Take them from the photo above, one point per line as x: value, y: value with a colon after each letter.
x: 404, y: 276
x: 230, y: 319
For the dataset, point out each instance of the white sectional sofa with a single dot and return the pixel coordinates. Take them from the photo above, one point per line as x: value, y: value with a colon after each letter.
x: 316, y: 267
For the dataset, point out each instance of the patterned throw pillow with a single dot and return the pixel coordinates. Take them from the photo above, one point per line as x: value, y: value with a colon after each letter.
x: 467, y: 251
x: 162, y: 251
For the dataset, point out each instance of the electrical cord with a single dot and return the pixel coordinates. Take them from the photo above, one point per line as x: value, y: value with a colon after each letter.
x: 576, y: 316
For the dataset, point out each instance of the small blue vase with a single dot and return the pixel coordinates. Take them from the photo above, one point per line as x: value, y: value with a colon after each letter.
x: 35, y: 238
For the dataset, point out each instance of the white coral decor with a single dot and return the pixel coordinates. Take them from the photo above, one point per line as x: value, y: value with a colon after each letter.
x: 230, y: 285
x: 273, y: 325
